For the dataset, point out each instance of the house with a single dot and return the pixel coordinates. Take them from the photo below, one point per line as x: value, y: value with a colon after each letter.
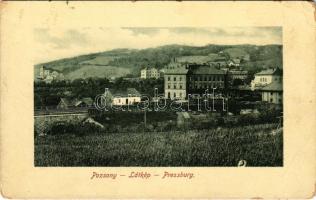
x: 234, y: 62
x: 149, y: 73
x: 129, y: 96
x: 72, y: 103
x: 266, y: 77
x: 272, y: 93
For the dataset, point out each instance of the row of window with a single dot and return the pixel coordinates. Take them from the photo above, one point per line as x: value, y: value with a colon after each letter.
x: 174, y: 95
x: 199, y: 78
x: 204, y: 85
x: 175, y: 78
x: 263, y: 79
x: 207, y: 78
x: 175, y: 86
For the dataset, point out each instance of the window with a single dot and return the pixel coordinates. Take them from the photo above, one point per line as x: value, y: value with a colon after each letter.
x: 126, y: 101
x: 181, y: 86
x: 168, y: 86
x: 175, y: 78
x: 119, y: 100
x: 271, y: 100
x: 168, y: 95
x: 174, y: 95
x: 205, y: 78
x: 168, y: 78
x: 174, y: 86
x: 180, y: 78
x: 271, y: 93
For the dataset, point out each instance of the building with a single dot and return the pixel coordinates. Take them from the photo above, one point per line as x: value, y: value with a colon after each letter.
x: 219, y: 62
x: 272, y: 93
x: 72, y: 103
x: 234, y: 62
x: 202, y: 77
x: 48, y: 75
x: 129, y: 96
x: 181, y: 79
x: 266, y: 77
x: 237, y: 74
x: 175, y: 80
x: 147, y: 73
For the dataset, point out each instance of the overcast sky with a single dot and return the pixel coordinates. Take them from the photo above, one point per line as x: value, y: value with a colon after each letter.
x: 58, y: 43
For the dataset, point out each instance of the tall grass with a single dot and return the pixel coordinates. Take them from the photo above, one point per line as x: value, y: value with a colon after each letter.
x: 214, y: 147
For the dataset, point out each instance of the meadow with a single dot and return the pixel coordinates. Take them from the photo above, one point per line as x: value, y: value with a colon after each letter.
x: 257, y: 144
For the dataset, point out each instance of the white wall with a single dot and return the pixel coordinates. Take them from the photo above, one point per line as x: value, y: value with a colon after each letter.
x: 122, y: 100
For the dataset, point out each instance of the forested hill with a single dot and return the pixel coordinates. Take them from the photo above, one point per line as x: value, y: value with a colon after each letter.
x: 120, y: 62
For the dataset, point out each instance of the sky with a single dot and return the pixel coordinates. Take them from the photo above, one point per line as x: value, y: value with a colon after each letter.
x: 55, y: 44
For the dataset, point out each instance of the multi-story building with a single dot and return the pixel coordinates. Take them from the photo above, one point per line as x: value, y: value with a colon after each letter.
x: 266, y: 77
x: 149, y: 73
x: 180, y: 79
x: 175, y: 79
x: 202, y: 77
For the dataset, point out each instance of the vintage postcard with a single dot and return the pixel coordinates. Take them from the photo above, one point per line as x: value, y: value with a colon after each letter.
x: 158, y: 99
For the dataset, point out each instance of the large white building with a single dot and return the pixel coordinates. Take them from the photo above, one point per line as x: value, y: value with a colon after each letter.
x: 266, y: 77
x: 149, y: 73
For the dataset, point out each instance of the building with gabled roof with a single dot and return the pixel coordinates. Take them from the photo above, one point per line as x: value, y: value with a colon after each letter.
x: 68, y: 103
x: 129, y: 96
x: 266, y: 77
x: 272, y: 93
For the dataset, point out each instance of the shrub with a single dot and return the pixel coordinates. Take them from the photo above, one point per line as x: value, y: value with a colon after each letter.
x: 60, y: 128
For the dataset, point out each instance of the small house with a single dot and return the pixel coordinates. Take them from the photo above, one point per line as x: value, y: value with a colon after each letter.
x: 272, y: 93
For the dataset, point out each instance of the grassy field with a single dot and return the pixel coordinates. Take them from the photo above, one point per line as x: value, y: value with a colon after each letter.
x: 216, y: 147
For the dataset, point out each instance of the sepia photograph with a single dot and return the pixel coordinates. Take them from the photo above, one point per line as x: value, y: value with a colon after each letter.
x: 157, y: 99
x: 159, y: 96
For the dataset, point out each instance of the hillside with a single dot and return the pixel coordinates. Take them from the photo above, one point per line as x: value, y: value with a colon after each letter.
x: 120, y: 62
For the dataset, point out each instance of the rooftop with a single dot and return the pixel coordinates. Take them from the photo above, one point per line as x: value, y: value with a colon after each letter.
x: 129, y: 91
x: 274, y: 86
x: 205, y: 69
x: 274, y: 71
x: 176, y: 68
x: 238, y: 72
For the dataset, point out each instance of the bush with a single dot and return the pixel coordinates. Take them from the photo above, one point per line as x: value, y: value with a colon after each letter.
x: 60, y: 128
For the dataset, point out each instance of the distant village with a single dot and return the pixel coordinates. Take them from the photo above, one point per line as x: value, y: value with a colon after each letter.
x: 191, y: 75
